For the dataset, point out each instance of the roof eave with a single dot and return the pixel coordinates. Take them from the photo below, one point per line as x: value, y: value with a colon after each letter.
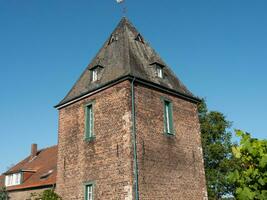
x: 129, y: 77
x: 48, y: 185
x: 169, y: 90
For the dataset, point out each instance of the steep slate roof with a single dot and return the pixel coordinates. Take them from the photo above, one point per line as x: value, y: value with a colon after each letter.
x: 39, y: 166
x: 121, y: 55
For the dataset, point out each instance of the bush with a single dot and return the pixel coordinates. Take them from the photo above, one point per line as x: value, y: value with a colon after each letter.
x: 3, y: 194
x: 50, y: 195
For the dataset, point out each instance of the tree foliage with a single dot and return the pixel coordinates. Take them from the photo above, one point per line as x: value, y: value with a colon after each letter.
x: 50, y: 195
x: 3, y: 194
x: 251, y: 178
x: 218, y: 159
x: 46, y: 195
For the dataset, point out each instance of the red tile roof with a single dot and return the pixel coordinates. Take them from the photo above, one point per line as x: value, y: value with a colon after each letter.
x: 38, y: 171
x: 2, y: 180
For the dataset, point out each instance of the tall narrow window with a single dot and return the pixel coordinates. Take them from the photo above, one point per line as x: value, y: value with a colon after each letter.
x: 89, y: 120
x: 159, y: 71
x: 94, y: 75
x: 89, y: 192
x: 168, y: 118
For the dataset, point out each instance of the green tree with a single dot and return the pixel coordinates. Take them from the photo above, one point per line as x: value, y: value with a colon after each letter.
x: 50, y: 195
x: 45, y: 195
x: 251, y: 178
x: 3, y: 194
x: 218, y: 159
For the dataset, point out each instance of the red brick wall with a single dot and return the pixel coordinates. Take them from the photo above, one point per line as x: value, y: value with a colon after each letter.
x: 169, y: 167
x: 107, y: 159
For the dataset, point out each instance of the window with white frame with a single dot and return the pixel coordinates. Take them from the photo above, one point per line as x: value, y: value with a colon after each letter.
x: 89, y: 192
x: 96, y: 72
x: 13, y: 179
x: 159, y: 71
x: 94, y: 75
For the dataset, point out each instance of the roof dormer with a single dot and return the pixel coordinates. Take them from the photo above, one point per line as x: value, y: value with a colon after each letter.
x: 13, y: 179
x: 96, y: 72
x: 139, y: 38
x: 112, y: 39
x: 158, y: 67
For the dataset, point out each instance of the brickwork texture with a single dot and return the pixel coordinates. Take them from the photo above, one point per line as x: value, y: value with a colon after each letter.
x: 169, y: 167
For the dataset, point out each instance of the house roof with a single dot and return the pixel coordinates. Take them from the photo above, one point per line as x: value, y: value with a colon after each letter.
x: 125, y: 53
x: 39, y: 171
x: 2, y: 180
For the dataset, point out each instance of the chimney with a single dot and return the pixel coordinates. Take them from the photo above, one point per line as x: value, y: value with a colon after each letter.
x: 34, y: 150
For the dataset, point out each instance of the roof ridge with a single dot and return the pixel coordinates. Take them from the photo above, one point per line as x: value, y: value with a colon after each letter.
x: 27, y: 158
x: 48, y: 147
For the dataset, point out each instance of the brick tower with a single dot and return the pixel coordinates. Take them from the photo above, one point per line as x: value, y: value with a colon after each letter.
x: 129, y: 129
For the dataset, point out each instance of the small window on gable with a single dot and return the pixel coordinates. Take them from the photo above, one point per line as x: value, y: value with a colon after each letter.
x: 112, y: 39
x: 95, y: 72
x: 139, y: 38
x: 158, y: 69
x: 94, y: 75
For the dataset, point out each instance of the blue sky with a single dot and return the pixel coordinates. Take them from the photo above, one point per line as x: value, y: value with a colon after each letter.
x: 217, y: 48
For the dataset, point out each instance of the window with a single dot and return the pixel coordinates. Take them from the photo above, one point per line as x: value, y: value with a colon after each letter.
x: 159, y: 71
x: 89, y: 120
x: 168, y: 118
x: 94, y: 75
x: 96, y: 72
x: 139, y: 38
x: 13, y: 179
x: 89, y: 192
x: 112, y: 39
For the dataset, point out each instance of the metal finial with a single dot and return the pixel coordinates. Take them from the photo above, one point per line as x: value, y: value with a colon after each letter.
x: 124, y: 7
x: 124, y: 10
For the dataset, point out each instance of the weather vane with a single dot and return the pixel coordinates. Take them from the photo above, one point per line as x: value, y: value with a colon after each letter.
x: 124, y: 9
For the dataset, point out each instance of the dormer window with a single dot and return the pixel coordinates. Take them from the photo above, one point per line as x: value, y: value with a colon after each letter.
x: 96, y: 72
x: 13, y: 179
x: 159, y: 72
x: 94, y: 75
x: 158, y: 69
x: 112, y: 39
x: 139, y: 38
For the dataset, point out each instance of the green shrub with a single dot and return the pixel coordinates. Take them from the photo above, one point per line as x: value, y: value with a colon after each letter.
x: 3, y: 194
x: 50, y: 195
